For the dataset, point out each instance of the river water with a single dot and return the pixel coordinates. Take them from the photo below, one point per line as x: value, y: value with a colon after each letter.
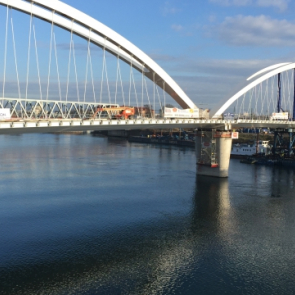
x: 91, y: 215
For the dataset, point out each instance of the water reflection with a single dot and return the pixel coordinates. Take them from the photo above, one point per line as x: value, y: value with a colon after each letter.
x: 142, y: 259
x: 211, y: 198
x: 117, y: 218
x: 212, y: 204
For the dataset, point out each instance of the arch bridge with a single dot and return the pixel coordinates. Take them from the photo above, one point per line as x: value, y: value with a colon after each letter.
x: 49, y: 82
x: 62, y: 70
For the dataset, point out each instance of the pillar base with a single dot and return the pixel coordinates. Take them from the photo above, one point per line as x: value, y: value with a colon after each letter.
x: 213, y: 172
x: 213, y: 150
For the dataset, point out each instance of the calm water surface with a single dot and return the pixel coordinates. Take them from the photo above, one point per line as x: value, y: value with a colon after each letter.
x: 91, y: 215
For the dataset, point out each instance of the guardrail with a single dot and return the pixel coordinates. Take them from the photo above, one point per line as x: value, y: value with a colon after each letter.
x: 106, y: 124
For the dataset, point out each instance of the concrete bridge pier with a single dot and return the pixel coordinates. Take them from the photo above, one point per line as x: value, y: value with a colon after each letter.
x: 213, y: 150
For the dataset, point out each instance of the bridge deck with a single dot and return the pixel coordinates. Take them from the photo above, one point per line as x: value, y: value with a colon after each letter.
x: 63, y: 125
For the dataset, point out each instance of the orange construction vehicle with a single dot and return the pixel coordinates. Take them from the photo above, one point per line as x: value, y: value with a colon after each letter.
x: 117, y: 112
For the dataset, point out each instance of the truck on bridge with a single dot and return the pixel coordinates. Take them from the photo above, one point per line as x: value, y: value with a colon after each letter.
x: 186, y: 113
x: 116, y: 112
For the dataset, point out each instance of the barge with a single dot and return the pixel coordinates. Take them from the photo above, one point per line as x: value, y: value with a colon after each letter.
x: 260, y: 147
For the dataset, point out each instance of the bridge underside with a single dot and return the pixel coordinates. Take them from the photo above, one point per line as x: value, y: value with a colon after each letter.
x: 55, y: 125
x: 44, y: 126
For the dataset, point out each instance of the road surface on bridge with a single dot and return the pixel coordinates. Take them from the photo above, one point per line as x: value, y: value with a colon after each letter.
x: 66, y: 125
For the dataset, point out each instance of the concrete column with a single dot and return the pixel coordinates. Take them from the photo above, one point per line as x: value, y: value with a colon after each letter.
x: 213, y: 145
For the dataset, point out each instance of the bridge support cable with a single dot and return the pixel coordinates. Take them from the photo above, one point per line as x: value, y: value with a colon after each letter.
x: 74, y: 21
x: 154, y: 93
x: 75, y: 67
x: 293, y: 113
x: 147, y: 93
x: 242, y: 107
x: 102, y: 76
x: 279, y: 93
x: 291, y: 89
x: 257, y: 95
x: 69, y: 63
x: 247, y: 108
x: 15, y: 57
x: 107, y: 77
x: 164, y: 94
x: 273, y: 98
x: 159, y: 98
x: 57, y: 67
x: 121, y: 82
x: 258, y: 104
x: 130, y: 82
x: 58, y: 80
x: 142, y: 90
x: 134, y: 87
x: 86, y: 71
x: 264, y: 95
x: 283, y: 87
x: 283, y: 93
x: 264, y: 98
x: 50, y: 57
x: 261, y: 99
x: 89, y: 66
x: 5, y: 52
x: 256, y: 98
x: 286, y: 94
x: 91, y: 72
x: 273, y: 95
x: 29, y: 53
x: 236, y: 109
x: 117, y: 78
x: 37, y: 60
x: 250, y: 109
x: 289, y: 79
x: 264, y: 92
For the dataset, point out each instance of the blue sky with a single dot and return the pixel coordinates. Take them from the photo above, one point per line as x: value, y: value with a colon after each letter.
x: 209, y: 47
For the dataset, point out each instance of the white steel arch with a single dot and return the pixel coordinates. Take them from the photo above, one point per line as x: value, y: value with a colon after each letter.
x: 71, y: 19
x: 281, y: 69
x: 267, y: 69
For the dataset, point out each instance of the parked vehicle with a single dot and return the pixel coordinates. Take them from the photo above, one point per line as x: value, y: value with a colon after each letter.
x: 117, y: 112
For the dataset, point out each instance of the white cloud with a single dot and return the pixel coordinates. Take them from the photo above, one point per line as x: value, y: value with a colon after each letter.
x: 281, y: 4
x: 170, y: 9
x: 232, y: 2
x: 212, y: 18
x: 255, y: 31
x: 177, y: 28
x: 210, y: 82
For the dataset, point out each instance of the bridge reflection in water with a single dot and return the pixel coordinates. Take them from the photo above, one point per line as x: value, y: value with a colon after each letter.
x: 147, y: 258
x: 164, y: 236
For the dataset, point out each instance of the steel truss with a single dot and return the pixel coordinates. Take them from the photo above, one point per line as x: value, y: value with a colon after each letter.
x: 50, y: 109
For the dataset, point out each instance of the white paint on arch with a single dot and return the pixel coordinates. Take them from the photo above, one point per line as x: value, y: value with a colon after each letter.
x: 79, y: 23
x: 267, y: 69
x: 252, y: 85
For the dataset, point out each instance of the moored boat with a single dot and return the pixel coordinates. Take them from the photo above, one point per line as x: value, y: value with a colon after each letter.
x: 260, y: 147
